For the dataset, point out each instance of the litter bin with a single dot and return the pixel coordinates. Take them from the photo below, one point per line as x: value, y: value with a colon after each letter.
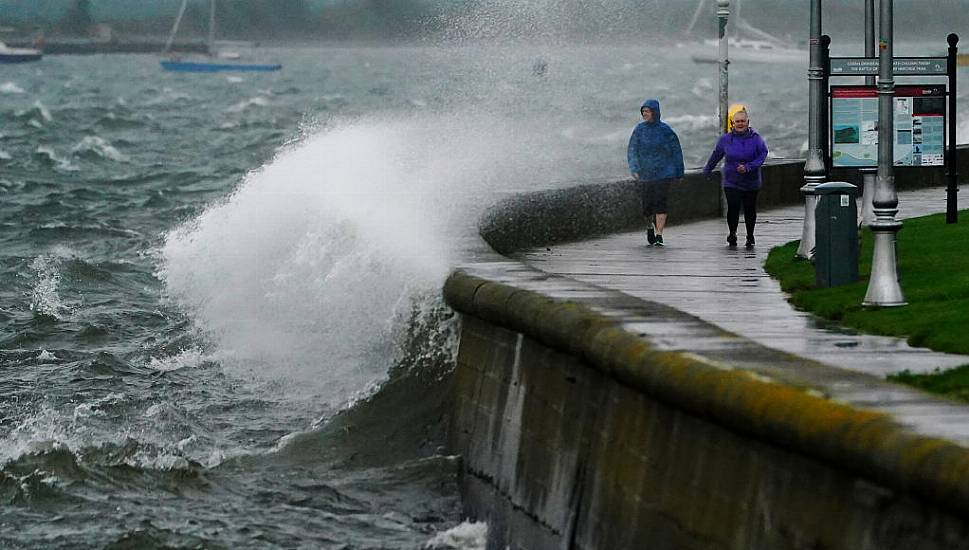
x: 836, y: 234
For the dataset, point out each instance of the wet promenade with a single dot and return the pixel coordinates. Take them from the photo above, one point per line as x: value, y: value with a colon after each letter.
x: 696, y: 273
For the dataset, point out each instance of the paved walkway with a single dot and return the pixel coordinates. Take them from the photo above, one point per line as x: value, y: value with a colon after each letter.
x: 697, y: 274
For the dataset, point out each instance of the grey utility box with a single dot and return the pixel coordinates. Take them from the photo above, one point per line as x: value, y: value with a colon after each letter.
x: 836, y: 234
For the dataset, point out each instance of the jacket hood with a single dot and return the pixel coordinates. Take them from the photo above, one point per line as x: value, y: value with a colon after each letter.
x: 734, y: 109
x: 653, y: 104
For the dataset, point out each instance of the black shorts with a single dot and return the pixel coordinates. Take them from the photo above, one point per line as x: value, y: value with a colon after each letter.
x: 654, y: 196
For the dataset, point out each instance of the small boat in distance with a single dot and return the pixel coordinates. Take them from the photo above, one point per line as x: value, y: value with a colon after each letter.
x: 18, y: 55
x: 216, y: 63
x: 745, y: 49
x: 761, y: 47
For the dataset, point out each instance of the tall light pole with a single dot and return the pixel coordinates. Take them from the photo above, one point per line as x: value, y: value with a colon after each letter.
x: 883, y: 287
x: 814, y: 169
x: 723, y: 12
x: 868, y: 175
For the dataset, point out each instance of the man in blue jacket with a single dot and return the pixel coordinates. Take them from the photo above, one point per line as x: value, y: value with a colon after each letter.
x: 656, y: 161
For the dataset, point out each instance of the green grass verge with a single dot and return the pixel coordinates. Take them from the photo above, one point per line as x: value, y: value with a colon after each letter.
x: 952, y: 383
x: 933, y: 266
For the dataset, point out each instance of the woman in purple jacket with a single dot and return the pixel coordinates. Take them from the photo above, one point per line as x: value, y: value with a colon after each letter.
x: 744, y: 152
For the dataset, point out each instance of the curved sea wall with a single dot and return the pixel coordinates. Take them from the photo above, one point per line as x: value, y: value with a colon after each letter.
x: 580, y: 427
x: 528, y: 220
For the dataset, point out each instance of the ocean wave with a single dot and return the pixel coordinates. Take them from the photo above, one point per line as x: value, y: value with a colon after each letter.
x: 50, y: 157
x: 97, y: 147
x: 702, y: 88
x: 167, y: 96
x: 113, y: 121
x: 151, y: 537
x: 81, y: 270
x: 44, y: 297
x: 187, y: 358
x: 692, y: 122
x: 470, y: 535
x: 38, y: 476
x: 37, y: 112
x: 59, y: 441
x: 257, y: 101
x: 10, y: 88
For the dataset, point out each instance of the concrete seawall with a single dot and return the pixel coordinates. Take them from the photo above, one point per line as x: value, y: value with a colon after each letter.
x: 547, y: 217
x: 579, y: 428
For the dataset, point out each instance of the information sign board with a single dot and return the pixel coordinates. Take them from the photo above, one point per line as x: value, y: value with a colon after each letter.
x: 901, y: 66
x: 919, y: 120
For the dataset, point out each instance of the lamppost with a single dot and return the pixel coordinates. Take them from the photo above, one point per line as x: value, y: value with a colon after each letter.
x: 723, y: 12
x: 814, y: 169
x: 868, y: 175
x: 883, y: 287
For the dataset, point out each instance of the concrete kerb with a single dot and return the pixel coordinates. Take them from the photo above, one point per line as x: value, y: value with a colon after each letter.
x: 868, y: 443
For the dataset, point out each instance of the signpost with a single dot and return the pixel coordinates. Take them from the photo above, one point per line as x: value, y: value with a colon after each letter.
x: 901, y: 66
x: 919, y: 126
x: 924, y: 117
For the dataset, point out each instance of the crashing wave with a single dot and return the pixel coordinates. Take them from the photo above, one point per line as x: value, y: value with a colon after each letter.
x: 470, y: 535
x: 96, y: 146
x: 44, y: 299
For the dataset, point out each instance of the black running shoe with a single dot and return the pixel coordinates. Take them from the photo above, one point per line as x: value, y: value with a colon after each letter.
x: 659, y: 240
x: 732, y: 240
x: 749, y: 245
x: 651, y: 234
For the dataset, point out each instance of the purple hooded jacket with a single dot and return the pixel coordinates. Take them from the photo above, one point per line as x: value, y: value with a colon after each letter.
x: 748, y: 149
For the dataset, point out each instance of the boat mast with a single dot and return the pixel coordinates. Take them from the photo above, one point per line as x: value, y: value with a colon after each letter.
x: 211, y: 42
x: 178, y: 21
x: 696, y: 16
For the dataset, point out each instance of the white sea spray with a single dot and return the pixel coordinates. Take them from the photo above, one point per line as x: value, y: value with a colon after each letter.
x: 98, y: 147
x: 469, y: 535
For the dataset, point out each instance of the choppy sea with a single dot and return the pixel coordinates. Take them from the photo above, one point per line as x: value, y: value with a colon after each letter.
x: 220, y: 313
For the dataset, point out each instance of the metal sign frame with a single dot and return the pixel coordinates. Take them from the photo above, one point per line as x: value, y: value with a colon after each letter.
x: 904, y: 67
x: 901, y: 66
x: 858, y: 133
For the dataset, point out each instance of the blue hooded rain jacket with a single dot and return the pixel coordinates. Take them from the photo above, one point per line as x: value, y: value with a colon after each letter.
x: 654, y: 150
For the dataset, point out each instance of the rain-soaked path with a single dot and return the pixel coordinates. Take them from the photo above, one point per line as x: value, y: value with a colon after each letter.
x: 697, y: 274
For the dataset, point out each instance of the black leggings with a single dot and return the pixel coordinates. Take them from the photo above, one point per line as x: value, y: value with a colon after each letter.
x: 736, y: 198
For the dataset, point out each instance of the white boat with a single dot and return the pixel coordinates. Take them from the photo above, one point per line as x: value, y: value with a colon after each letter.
x: 748, y: 50
x: 18, y: 55
x: 763, y: 48
x: 217, y: 62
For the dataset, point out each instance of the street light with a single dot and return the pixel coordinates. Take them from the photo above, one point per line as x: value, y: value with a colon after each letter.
x: 723, y: 12
x: 883, y: 287
x: 868, y: 175
x: 814, y: 169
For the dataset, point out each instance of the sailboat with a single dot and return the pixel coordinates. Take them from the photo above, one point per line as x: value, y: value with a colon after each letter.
x: 18, y: 55
x: 225, y: 62
x: 762, y: 47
